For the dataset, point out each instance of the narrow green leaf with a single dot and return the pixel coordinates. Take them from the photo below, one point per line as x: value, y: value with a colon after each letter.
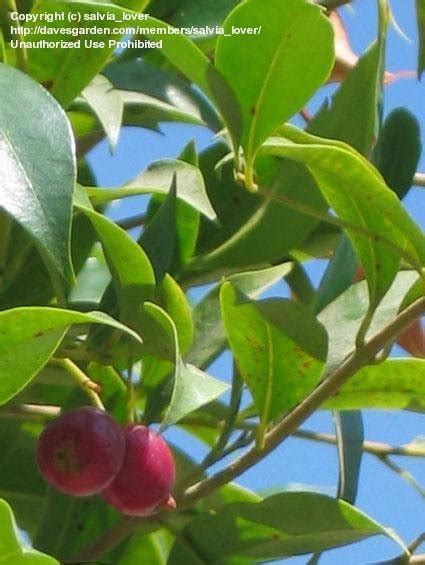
x: 251, y: 224
x: 11, y: 548
x: 420, y: 16
x: 339, y: 274
x: 108, y: 105
x: 162, y: 92
x: 157, y: 179
x: 279, y: 349
x: 350, y: 437
x: 380, y: 229
x: 210, y: 337
x: 197, y: 67
x: 38, y: 171
x: 158, y: 239
x: 398, y: 150
x: 131, y: 270
x: 192, y: 387
x: 286, y: 524
x: 275, y: 80
x: 343, y: 316
x: 68, y: 71
x: 20, y: 486
x: 30, y: 336
x: 352, y: 115
x: 392, y: 385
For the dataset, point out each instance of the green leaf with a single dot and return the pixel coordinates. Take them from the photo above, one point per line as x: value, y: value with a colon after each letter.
x: 352, y: 115
x: 420, y: 16
x: 11, y: 548
x: 108, y: 105
x: 252, y: 223
x: 291, y: 523
x: 398, y: 150
x: 343, y: 316
x: 339, y: 275
x: 20, y: 485
x: 158, y: 239
x: 162, y: 92
x: 68, y: 71
x: 131, y: 270
x: 279, y: 348
x: 197, y: 67
x: 38, y: 168
x: 380, y: 229
x: 157, y: 179
x: 210, y: 337
x: 392, y: 385
x: 274, y: 81
x: 350, y: 437
x: 192, y: 387
x: 30, y: 336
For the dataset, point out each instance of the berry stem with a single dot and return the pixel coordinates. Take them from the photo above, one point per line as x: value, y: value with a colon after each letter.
x: 89, y: 386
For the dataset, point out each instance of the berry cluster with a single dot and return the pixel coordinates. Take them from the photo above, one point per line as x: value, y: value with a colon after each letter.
x: 85, y: 452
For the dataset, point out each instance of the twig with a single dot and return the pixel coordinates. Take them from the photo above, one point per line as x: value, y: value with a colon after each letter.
x: 90, y: 387
x: 417, y: 542
x: 132, y: 222
x: 403, y: 474
x: 308, y: 406
x: 419, y: 179
x: 284, y: 428
x: 373, y: 447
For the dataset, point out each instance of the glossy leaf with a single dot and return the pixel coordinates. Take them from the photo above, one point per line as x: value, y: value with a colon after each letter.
x: 192, y: 387
x: 38, y: 168
x: 131, y: 270
x: 343, y: 316
x: 420, y: 16
x: 196, y: 66
x: 398, y: 150
x: 257, y: 229
x: 108, y: 105
x: 20, y: 486
x: 279, y: 349
x: 273, y: 82
x: 380, y: 229
x: 352, y: 114
x: 162, y: 91
x: 157, y: 178
x: 30, y: 336
x: 210, y: 338
x: 392, y: 385
x: 11, y: 548
x: 350, y: 437
x: 158, y: 238
x: 286, y: 524
x: 68, y: 71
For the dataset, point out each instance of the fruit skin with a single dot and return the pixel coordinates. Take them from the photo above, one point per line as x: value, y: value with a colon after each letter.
x: 146, y: 477
x: 81, y: 451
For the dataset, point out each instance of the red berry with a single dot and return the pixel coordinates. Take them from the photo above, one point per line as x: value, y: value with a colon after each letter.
x: 146, y: 477
x: 81, y: 452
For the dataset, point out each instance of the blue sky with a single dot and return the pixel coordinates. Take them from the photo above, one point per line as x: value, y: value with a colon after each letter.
x: 382, y: 494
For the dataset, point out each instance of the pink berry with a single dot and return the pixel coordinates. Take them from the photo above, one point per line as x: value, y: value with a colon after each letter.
x: 146, y: 477
x: 81, y: 451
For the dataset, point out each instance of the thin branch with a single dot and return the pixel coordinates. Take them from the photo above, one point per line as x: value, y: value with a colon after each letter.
x: 417, y: 542
x: 373, y: 447
x: 284, y: 428
x: 132, y: 222
x: 403, y: 474
x: 419, y: 179
x: 306, y: 407
x: 91, y: 388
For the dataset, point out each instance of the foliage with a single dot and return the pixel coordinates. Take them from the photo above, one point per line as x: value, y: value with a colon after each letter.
x: 90, y: 313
